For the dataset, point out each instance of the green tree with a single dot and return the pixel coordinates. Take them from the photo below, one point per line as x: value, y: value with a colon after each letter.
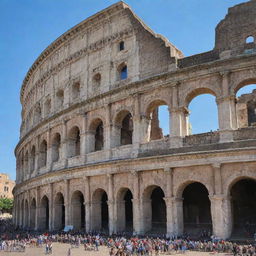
x: 6, y: 204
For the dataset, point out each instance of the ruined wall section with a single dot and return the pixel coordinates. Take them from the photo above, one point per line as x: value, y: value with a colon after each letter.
x: 238, y: 25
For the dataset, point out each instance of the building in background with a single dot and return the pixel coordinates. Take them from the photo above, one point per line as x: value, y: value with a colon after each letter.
x: 6, y: 186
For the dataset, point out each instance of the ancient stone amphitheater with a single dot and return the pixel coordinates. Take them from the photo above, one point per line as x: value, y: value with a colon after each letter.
x: 91, y: 154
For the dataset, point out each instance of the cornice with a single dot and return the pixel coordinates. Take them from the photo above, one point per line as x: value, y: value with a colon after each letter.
x: 124, y: 166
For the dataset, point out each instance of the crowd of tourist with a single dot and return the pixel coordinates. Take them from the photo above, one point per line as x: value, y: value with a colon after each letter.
x: 15, y: 240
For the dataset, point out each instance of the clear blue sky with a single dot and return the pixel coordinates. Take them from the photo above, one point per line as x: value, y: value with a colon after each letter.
x: 27, y: 27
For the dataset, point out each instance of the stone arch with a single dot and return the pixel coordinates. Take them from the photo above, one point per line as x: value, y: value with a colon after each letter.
x: 32, y: 224
x: 59, y: 212
x: 42, y: 160
x: 196, y: 209
x: 124, y: 125
x: 74, y: 141
x: 196, y: 92
x: 78, y: 210
x: 124, y: 210
x: 154, y: 209
x: 242, y: 191
x: 122, y: 71
x: 44, y: 213
x: 244, y: 82
x: 153, y: 120
x: 208, y: 96
x: 100, y: 218
x: 97, y: 129
x: 56, y: 145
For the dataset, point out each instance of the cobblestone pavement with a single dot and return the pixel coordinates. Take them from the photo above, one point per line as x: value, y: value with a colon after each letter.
x: 62, y: 250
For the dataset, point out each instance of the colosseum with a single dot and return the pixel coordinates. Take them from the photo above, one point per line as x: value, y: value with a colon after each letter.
x: 91, y: 154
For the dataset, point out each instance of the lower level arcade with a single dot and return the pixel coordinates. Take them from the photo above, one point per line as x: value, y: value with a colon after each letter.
x: 194, y: 208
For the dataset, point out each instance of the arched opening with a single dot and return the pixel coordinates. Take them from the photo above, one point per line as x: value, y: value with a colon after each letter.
x: 197, y: 220
x: 246, y: 106
x: 200, y: 103
x: 250, y: 39
x: 99, y: 135
x: 243, y: 201
x: 122, y: 71
x: 158, y: 120
x: 124, y: 210
x: 56, y: 142
x: 59, y: 212
x: 96, y: 80
x: 154, y: 210
x: 44, y: 214
x: 78, y: 210
x: 32, y: 159
x: 33, y: 214
x: 42, y: 154
x: 74, y: 142
x: 75, y: 90
x: 126, y: 130
x: 59, y: 98
x: 100, y: 218
x: 121, y: 46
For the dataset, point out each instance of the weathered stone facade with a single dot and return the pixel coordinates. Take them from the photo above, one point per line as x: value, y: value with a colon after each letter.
x: 87, y: 154
x: 6, y: 186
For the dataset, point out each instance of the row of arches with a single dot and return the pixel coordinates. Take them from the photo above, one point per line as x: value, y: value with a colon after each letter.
x: 157, y: 122
x: 196, y: 210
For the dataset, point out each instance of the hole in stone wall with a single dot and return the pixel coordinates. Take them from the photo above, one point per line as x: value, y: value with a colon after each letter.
x: 250, y: 39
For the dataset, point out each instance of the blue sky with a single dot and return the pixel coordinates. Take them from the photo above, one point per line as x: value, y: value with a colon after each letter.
x: 27, y: 27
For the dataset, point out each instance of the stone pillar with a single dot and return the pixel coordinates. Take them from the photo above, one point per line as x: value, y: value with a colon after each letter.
x: 136, y: 123
x: 170, y: 226
x: 83, y: 138
x: 177, y: 205
x: 221, y: 216
x: 89, y: 141
x: 227, y: 113
x: 136, y: 204
x: 108, y: 131
x: 49, y: 151
x: 67, y: 203
x: 64, y: 146
x: 144, y: 129
x: 51, y: 219
x: 37, y: 208
x: 87, y: 204
x: 226, y: 110
x: 111, y: 212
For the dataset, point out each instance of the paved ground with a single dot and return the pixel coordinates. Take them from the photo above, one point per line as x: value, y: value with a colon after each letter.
x: 62, y: 249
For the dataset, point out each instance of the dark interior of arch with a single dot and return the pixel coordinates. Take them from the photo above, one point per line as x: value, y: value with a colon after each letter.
x: 196, y: 210
x: 243, y: 196
x: 126, y: 130
x: 128, y: 211
x: 61, y: 202
x: 158, y: 210
x: 81, y: 200
x: 45, y: 206
x: 104, y: 211
x: 99, y: 137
